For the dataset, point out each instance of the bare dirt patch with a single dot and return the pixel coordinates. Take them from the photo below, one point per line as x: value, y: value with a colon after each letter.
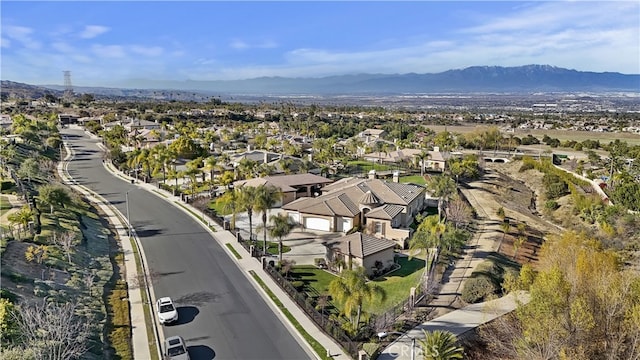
x: 519, y: 194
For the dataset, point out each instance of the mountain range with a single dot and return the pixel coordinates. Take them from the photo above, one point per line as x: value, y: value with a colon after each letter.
x: 475, y: 79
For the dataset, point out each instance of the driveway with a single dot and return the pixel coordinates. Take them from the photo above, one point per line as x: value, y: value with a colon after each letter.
x: 306, y: 245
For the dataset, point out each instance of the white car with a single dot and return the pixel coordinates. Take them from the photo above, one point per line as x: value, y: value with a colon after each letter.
x: 174, y: 349
x: 167, y: 313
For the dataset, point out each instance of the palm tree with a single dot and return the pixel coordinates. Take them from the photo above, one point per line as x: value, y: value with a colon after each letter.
x: 230, y: 204
x: 266, y: 196
x: 246, y: 201
x: 423, y: 156
x: 281, y: 226
x: 352, y: 290
x: 442, y: 187
x: 429, y: 235
x: 440, y: 345
x: 21, y: 217
x: 211, y: 164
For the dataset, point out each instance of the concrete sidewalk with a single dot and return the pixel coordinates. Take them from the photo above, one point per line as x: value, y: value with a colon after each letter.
x: 246, y: 264
x: 458, y: 322
x: 139, y: 339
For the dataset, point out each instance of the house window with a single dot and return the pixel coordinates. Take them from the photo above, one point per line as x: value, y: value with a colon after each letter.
x: 378, y: 227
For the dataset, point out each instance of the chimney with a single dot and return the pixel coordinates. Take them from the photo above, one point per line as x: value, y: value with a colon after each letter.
x: 436, y: 148
x: 396, y: 176
x: 372, y: 174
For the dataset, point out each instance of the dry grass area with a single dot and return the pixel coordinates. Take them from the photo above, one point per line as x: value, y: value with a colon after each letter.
x: 603, y: 137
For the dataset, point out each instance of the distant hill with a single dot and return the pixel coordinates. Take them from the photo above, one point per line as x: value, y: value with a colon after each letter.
x: 521, y: 79
x: 476, y: 79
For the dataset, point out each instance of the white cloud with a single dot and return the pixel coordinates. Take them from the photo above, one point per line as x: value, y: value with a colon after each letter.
x: 91, y: 31
x: 146, y: 50
x: 22, y: 35
x: 108, y: 51
x: 242, y: 45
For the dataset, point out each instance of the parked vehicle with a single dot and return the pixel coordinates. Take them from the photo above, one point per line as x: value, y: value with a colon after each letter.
x: 175, y: 349
x: 167, y: 313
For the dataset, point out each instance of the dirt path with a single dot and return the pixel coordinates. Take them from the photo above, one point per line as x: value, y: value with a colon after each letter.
x: 16, y: 203
x: 496, y: 189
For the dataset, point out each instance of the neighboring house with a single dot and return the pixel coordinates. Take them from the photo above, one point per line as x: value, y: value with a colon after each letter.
x: 292, y: 186
x: 372, y: 253
x: 270, y: 158
x: 66, y: 119
x: 5, y: 121
x: 372, y: 135
x: 133, y: 124
x: 386, y: 209
x: 396, y: 156
x: 437, y: 160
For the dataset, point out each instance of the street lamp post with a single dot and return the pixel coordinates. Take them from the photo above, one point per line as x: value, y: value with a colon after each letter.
x: 126, y: 197
x: 382, y: 335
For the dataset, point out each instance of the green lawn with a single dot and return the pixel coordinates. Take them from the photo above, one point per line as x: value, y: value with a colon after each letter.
x: 398, y: 284
x: 367, y: 165
x: 272, y: 247
x: 415, y: 179
x: 316, y: 279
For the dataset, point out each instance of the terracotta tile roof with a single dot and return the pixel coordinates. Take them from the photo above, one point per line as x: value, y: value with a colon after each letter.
x: 362, y: 245
x: 386, y: 212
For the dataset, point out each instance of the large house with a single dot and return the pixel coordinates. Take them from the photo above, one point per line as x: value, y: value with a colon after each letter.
x: 292, y: 186
x: 385, y: 209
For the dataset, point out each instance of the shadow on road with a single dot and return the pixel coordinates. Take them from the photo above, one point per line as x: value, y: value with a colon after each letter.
x: 186, y: 314
x: 201, y: 352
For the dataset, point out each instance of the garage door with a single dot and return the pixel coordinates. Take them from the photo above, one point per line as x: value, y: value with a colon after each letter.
x: 317, y: 224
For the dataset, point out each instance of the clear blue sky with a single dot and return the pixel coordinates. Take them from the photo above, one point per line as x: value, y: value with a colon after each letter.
x: 103, y: 43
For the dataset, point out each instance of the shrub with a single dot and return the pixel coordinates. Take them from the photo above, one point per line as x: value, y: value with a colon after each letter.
x: 526, y: 165
x: 299, y: 285
x: 551, y: 205
x: 478, y: 289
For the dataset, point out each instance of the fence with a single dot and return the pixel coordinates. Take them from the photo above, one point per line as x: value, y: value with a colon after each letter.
x: 387, y: 319
x: 330, y: 326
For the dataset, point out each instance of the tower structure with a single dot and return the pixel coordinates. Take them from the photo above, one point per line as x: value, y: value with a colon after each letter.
x: 68, y: 88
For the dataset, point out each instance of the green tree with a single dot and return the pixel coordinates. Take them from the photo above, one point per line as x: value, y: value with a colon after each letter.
x: 29, y: 169
x: 53, y: 194
x: 266, y: 196
x: 281, y: 226
x: 440, y: 345
x: 247, y: 201
x: 442, y: 187
x: 351, y: 289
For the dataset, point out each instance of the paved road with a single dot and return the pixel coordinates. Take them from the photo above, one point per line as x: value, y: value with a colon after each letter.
x: 222, y: 315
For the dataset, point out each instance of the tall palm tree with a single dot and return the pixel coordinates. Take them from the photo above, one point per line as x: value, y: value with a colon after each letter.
x: 429, y: 235
x: 351, y: 289
x: 246, y: 201
x: 442, y: 187
x: 211, y: 165
x: 266, y: 196
x: 281, y: 226
x: 229, y: 201
x: 21, y: 217
x: 422, y: 157
x: 440, y: 345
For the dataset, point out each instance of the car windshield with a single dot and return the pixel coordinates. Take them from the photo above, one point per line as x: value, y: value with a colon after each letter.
x: 166, y: 308
x: 176, y: 350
